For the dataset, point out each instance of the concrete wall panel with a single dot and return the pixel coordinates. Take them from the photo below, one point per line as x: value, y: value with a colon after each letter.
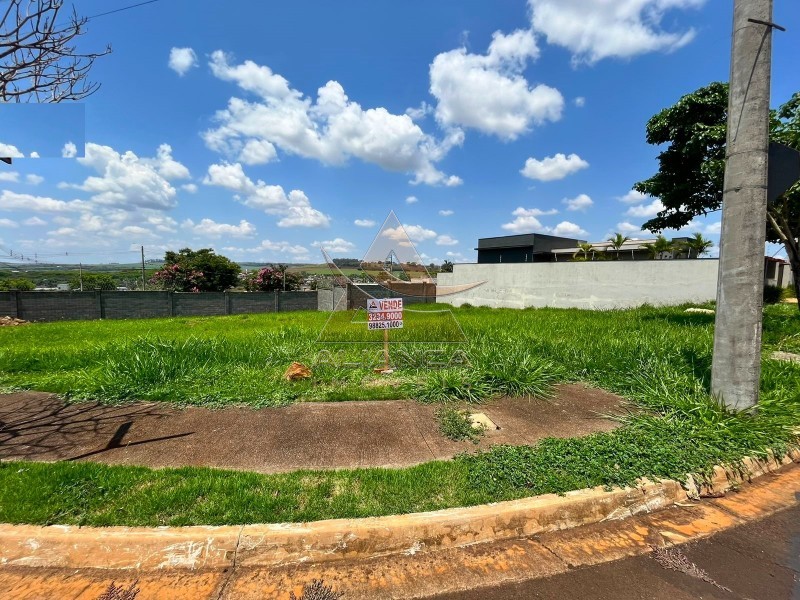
x: 590, y: 285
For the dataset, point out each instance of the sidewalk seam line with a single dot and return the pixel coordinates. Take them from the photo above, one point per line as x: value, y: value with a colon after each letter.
x: 424, y: 439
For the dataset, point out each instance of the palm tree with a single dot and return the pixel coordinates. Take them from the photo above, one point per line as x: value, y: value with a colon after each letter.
x: 617, y: 242
x: 661, y: 245
x: 699, y: 244
x: 584, y: 248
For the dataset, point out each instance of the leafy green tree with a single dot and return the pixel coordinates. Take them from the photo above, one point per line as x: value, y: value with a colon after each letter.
x: 93, y: 281
x: 447, y: 267
x: 692, y: 165
x: 22, y: 284
x: 617, y: 241
x: 697, y: 244
x: 197, y: 271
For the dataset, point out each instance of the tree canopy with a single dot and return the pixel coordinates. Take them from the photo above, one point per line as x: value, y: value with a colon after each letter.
x: 93, y: 281
x: 197, y: 271
x: 691, y: 169
x: 40, y: 60
x: 268, y: 279
x: 692, y: 166
x: 17, y: 283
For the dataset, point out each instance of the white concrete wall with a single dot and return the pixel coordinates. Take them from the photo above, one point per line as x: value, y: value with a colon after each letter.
x: 592, y: 285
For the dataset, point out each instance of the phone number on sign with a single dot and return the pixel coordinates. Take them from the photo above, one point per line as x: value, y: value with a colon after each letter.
x: 385, y: 316
x: 385, y: 325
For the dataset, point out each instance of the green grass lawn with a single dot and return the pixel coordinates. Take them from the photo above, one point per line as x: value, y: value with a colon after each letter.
x: 658, y: 359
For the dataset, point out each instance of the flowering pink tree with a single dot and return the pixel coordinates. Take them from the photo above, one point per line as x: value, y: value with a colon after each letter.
x: 176, y: 277
x: 268, y: 279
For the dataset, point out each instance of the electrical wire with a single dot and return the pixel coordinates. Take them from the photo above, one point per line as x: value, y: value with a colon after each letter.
x: 116, y: 10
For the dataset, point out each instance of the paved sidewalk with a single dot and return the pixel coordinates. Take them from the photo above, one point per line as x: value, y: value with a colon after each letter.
x: 37, y: 426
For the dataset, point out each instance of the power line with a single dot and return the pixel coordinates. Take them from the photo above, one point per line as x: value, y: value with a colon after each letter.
x: 35, y: 257
x: 116, y: 10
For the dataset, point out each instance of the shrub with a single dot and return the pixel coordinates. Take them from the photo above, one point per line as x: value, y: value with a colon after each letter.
x: 19, y: 283
x: 455, y: 425
x: 773, y: 294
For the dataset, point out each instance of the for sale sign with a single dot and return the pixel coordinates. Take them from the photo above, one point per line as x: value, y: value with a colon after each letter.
x: 385, y: 313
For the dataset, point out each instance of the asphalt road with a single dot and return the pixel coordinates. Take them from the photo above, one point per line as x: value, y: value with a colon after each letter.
x: 757, y: 561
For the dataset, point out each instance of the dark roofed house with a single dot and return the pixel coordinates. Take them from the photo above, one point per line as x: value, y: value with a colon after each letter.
x: 529, y: 247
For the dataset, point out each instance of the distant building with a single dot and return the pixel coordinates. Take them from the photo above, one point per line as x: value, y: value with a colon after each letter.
x: 529, y: 247
x: 536, y: 247
x: 539, y: 248
x: 777, y: 272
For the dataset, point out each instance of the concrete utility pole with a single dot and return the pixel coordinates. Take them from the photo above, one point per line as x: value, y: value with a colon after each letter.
x: 736, y: 367
x: 143, y: 286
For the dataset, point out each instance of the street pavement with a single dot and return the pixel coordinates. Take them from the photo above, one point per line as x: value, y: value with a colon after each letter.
x: 757, y: 561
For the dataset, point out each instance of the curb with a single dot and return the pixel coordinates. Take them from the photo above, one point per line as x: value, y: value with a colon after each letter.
x: 275, y: 545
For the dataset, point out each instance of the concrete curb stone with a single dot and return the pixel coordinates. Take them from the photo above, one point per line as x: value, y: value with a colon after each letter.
x: 273, y: 545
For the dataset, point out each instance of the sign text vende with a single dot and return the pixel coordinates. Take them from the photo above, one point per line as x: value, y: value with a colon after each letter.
x: 384, y: 304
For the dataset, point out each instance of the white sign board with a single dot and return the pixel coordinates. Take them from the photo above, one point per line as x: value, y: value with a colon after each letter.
x: 385, y: 313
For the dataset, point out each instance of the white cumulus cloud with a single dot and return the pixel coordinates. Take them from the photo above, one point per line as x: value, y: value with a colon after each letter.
x: 415, y: 233
x: 9, y: 176
x: 34, y: 179
x: 552, y: 168
x: 633, y: 197
x: 258, y: 152
x: 293, y: 251
x: 9, y: 151
x: 26, y: 202
x: 596, y: 29
x: 34, y: 222
x: 579, y: 202
x: 128, y: 181
x: 526, y: 220
x: 565, y: 228
x: 181, y: 60
x: 331, y: 128
x: 69, y: 150
x: 212, y: 229
x: 628, y: 227
x: 412, y: 200
x: 336, y: 246
x: 445, y: 213
x: 294, y: 208
x: 446, y: 240
x: 488, y: 92
x: 646, y: 210
x: 364, y: 223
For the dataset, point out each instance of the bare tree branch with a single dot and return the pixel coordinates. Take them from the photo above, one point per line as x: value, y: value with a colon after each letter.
x: 39, y: 61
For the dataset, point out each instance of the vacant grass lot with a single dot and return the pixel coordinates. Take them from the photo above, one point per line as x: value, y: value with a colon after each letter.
x: 659, y: 359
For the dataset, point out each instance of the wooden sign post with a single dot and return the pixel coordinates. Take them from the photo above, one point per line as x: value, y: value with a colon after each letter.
x: 385, y: 314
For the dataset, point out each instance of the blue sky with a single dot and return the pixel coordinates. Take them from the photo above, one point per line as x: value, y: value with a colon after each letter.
x: 265, y: 130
